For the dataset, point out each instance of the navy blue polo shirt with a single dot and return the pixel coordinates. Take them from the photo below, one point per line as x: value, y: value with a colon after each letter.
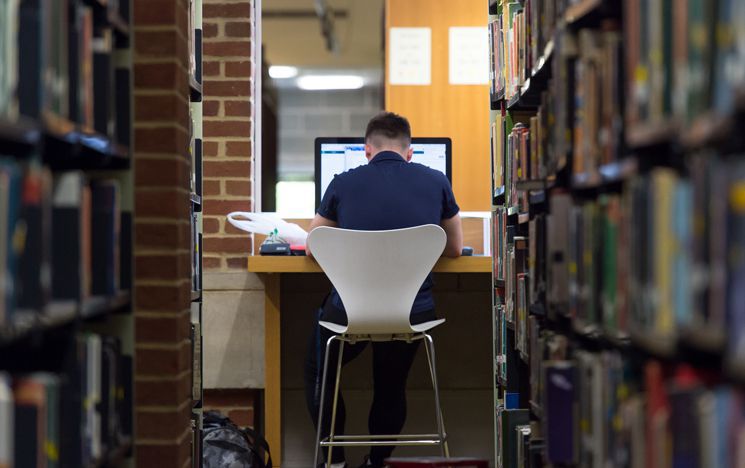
x: 389, y: 193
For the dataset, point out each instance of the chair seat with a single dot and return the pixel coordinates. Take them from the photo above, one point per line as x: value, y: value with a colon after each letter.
x: 405, y: 335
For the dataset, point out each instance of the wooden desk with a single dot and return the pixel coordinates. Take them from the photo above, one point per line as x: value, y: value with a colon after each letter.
x: 270, y: 269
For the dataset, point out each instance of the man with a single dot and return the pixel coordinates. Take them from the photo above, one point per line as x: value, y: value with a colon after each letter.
x: 389, y: 192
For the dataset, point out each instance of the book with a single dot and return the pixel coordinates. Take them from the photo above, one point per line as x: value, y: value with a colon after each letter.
x: 123, y: 115
x: 730, y: 55
x: 9, y: 23
x: 196, y: 336
x: 559, y: 399
x: 680, y: 58
x: 34, y: 285
x: 71, y: 237
x: 633, y: 432
x: 591, y: 425
x: 30, y: 422
x: 498, y: 153
x: 57, y: 75
x: 558, y: 235
x: 663, y: 184
x: 7, y: 421
x: 522, y: 436
x: 105, y: 237
x: 124, y: 396
x: 109, y: 376
x: 598, y: 99
x: 736, y: 262
x: 657, y: 416
x: 197, y: 436
x: 536, y: 345
x: 92, y: 442
x: 611, y: 219
x: 103, y: 83
x: 682, y: 246
x: 12, y: 235
x: 511, y: 419
x: 521, y: 323
x: 195, y: 253
x: 125, y: 251
x: 32, y: 70
x: 191, y: 27
x: 85, y: 67
x: 50, y: 438
x: 685, y: 428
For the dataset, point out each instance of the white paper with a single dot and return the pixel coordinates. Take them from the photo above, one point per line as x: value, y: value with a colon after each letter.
x: 487, y: 237
x: 469, y: 56
x: 266, y: 223
x: 410, y: 56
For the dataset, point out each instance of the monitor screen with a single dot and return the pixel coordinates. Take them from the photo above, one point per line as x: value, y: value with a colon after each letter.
x: 337, y: 155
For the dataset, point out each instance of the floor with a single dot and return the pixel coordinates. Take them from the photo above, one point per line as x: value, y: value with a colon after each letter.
x: 463, y: 346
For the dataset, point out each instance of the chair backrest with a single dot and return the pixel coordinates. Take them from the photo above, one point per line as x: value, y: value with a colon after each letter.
x: 377, y: 273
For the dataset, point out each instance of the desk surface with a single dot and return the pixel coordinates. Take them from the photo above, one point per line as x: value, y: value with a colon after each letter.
x: 282, y: 264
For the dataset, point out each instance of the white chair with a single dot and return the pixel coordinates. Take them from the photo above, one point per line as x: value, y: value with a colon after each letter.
x: 378, y: 275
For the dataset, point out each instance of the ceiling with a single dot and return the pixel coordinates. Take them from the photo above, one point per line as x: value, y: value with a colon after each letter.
x: 292, y: 35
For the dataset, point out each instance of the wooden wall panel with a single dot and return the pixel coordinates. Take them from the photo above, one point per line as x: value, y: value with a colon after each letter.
x: 441, y: 110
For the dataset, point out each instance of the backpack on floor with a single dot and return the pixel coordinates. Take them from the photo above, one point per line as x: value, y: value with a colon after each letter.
x: 226, y: 445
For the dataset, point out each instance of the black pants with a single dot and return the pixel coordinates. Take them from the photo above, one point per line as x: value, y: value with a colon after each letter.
x: 391, y: 364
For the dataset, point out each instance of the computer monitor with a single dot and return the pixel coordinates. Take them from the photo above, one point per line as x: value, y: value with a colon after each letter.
x: 336, y: 155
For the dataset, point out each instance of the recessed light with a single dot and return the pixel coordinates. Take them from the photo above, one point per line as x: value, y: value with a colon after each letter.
x: 279, y: 72
x: 327, y: 82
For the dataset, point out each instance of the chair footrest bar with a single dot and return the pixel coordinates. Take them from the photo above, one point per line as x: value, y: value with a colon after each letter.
x: 387, y: 437
x: 370, y: 443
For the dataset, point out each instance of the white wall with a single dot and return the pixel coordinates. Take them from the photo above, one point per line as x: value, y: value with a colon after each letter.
x: 233, y: 330
x: 305, y: 115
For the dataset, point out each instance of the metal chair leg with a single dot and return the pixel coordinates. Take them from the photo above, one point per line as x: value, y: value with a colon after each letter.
x: 336, y: 399
x: 429, y: 346
x: 323, y: 394
x: 347, y: 440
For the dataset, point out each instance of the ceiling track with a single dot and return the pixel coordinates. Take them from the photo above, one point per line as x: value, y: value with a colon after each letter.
x: 325, y: 15
x: 300, y: 14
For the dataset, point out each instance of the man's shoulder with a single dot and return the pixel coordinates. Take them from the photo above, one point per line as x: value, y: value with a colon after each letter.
x: 351, y: 174
x: 412, y: 169
x: 426, y: 171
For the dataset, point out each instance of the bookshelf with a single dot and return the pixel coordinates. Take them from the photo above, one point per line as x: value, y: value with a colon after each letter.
x: 195, y: 200
x: 618, y: 193
x: 66, y: 200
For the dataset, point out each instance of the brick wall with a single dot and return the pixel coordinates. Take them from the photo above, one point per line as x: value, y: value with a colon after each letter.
x: 227, y: 130
x: 161, y: 220
x: 236, y: 403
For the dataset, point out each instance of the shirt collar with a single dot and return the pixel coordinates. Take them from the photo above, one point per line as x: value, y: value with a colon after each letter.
x: 387, y: 156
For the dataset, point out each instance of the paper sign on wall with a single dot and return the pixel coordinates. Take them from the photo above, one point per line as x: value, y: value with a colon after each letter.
x: 469, y: 56
x: 410, y: 56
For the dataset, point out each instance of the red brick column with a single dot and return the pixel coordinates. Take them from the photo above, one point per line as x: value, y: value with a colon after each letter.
x: 235, y: 403
x: 161, y: 220
x: 227, y: 130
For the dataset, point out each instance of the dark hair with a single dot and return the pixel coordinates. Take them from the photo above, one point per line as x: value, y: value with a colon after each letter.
x: 391, y: 126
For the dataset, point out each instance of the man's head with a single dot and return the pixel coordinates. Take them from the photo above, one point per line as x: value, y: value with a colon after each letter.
x: 388, y: 132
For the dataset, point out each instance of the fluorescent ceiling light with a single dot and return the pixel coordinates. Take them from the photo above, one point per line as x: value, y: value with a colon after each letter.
x: 279, y: 72
x: 324, y: 82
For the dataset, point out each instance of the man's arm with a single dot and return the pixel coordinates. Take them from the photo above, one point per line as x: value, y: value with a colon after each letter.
x: 318, y: 221
x: 454, y: 231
